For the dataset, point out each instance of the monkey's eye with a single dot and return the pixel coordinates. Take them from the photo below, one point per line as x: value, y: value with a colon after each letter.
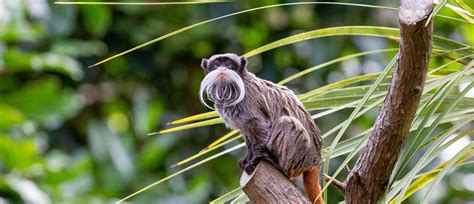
x: 217, y: 63
x: 228, y: 63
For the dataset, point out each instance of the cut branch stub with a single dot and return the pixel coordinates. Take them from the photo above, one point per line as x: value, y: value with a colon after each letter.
x: 269, y: 185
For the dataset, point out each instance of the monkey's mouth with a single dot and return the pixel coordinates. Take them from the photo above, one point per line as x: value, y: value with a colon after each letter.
x: 223, y: 87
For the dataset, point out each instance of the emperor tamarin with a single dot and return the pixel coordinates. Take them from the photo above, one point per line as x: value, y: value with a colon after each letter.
x: 276, y: 126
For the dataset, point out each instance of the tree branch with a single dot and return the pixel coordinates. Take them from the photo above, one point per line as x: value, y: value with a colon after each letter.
x: 268, y: 185
x: 339, y: 185
x: 370, y: 175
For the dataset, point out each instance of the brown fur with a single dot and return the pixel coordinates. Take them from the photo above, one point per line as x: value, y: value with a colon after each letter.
x: 275, y: 124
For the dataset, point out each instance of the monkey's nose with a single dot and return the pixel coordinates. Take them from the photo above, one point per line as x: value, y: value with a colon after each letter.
x: 222, y: 72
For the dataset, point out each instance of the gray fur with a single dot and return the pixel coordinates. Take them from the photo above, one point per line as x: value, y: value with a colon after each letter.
x: 275, y: 124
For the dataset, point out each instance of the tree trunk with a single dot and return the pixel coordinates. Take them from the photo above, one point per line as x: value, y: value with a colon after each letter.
x: 368, y: 179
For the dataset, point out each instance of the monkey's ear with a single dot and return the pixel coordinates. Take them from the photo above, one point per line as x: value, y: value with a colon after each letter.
x: 204, y: 63
x: 243, y: 61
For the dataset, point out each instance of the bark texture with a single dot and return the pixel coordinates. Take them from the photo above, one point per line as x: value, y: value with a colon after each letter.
x: 368, y: 179
x: 268, y: 185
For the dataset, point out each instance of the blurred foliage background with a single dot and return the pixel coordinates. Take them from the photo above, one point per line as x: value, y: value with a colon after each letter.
x: 73, y: 134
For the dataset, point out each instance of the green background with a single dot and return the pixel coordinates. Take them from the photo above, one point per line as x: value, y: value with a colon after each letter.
x: 73, y: 134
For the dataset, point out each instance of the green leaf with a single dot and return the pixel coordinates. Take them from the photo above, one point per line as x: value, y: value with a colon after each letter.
x: 10, y: 117
x: 79, y: 48
x: 17, y: 154
x: 44, y: 101
x: 16, y: 60
x: 97, y: 19
x: 465, y: 153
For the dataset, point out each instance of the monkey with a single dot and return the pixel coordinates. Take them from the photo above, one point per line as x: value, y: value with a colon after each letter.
x: 275, y: 125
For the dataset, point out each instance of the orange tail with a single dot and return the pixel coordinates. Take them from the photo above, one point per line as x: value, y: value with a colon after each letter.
x: 311, y: 185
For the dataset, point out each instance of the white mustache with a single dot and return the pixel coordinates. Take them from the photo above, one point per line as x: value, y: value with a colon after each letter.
x: 213, y: 86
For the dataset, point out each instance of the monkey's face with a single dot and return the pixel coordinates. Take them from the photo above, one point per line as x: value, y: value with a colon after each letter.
x: 223, y: 83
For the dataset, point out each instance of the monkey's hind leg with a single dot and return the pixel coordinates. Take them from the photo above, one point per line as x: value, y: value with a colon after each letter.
x: 292, y: 146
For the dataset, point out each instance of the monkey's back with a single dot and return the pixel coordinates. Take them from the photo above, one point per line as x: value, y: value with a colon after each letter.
x: 273, y: 101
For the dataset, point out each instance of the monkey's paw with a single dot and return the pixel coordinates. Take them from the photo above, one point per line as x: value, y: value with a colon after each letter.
x: 249, y: 168
x: 243, y: 163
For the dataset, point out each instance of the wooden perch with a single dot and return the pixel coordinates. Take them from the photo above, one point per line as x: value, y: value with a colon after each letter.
x: 369, y: 177
x: 269, y: 185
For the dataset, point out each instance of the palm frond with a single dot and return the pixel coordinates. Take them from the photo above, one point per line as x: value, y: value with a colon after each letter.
x: 426, y: 178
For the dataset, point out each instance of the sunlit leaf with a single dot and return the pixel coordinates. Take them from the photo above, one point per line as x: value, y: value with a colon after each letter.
x: 10, y: 116
x: 464, y: 5
x: 202, y: 116
x: 17, y: 154
x: 227, y: 197
x: 207, y: 150
x: 189, y: 126
x: 242, y: 198
x: 466, y: 14
x: 435, y: 11
x: 230, y: 134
